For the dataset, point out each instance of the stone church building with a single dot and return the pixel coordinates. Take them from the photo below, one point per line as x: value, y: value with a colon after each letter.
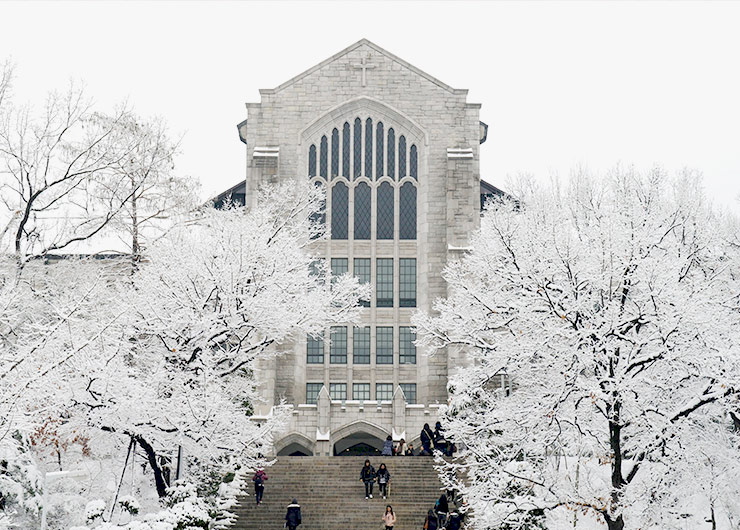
x: 398, y: 152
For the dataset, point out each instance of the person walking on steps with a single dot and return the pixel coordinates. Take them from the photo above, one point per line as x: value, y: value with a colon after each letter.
x: 441, y: 508
x: 293, y: 515
x: 389, y: 518
x: 430, y: 523
x: 426, y: 440
x: 387, y: 447
x: 367, y: 475
x: 384, y: 478
x: 259, y: 479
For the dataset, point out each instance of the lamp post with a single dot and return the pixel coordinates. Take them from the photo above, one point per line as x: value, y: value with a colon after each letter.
x: 52, y: 475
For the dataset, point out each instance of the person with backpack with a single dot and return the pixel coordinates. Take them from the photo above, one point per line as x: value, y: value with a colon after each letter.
x: 430, y: 523
x: 441, y: 508
x: 293, y: 515
x: 384, y: 478
x: 367, y: 475
x: 389, y: 518
x: 426, y: 440
x: 259, y: 479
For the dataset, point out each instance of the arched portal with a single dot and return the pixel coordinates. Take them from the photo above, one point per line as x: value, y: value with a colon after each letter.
x: 359, y: 438
x: 294, y: 444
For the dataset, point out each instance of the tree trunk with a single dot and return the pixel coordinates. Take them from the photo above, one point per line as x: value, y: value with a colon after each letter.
x: 152, y: 458
x: 614, y: 524
x: 135, y: 249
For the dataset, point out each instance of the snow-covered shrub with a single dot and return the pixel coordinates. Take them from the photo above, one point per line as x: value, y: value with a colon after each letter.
x: 129, y: 504
x: 94, y: 510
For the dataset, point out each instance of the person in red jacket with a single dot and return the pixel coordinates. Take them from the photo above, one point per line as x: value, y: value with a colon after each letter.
x: 259, y: 479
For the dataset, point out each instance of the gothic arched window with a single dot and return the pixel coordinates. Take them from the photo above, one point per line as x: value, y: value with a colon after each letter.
x: 322, y: 157
x: 401, y: 157
x: 369, y: 148
x: 339, y: 211
x: 345, y: 150
x: 358, y: 148
x: 379, y: 150
x: 386, y: 211
x: 319, y: 217
x: 391, y: 153
x: 407, y: 211
x: 334, y: 153
x: 312, y: 161
x: 362, y: 211
x: 414, y: 163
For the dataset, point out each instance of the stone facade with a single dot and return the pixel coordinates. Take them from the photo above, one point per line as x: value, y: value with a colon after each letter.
x: 366, y: 82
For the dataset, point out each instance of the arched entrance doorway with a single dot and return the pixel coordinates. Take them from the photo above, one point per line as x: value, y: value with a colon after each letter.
x: 294, y: 444
x: 359, y: 438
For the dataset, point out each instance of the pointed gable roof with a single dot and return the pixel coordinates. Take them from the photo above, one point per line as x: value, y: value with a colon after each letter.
x: 378, y: 49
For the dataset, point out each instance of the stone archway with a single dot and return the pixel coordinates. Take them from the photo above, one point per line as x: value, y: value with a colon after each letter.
x: 358, y: 438
x: 295, y: 444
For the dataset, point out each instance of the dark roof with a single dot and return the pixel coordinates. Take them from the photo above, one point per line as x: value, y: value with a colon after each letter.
x: 237, y: 194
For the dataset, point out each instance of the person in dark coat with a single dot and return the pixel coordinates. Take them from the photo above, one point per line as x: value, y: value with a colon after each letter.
x: 440, y: 443
x: 430, y: 523
x: 384, y: 477
x: 387, y: 447
x: 367, y: 475
x: 293, y: 515
x: 441, y: 508
x: 259, y: 479
x: 455, y: 521
x: 426, y: 439
x: 410, y: 450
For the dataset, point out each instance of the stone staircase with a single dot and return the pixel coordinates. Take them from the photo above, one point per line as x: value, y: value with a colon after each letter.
x: 332, y: 497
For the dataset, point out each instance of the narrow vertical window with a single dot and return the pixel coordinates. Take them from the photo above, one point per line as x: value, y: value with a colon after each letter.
x: 322, y: 157
x: 338, y: 346
x: 407, y: 211
x: 318, y: 218
x: 338, y: 391
x: 361, y: 346
x: 315, y: 350
x: 357, y: 144
x: 391, y: 172
x: 362, y: 273
x: 414, y: 163
x: 334, y: 153
x: 384, y: 282
x: 379, y: 136
x: 407, y: 282
x: 401, y: 157
x: 312, y: 161
x: 339, y: 266
x: 384, y: 345
x: 409, y: 390
x: 363, y: 207
x: 339, y: 211
x: 312, y: 392
x: 369, y: 148
x: 406, y: 346
x: 345, y: 151
x: 386, y: 211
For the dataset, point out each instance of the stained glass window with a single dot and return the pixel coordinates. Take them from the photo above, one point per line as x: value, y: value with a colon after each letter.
x: 334, y: 153
x: 315, y: 350
x: 361, y: 345
x: 384, y: 282
x: 414, y: 163
x: 401, y: 157
x: 391, y: 172
x: 386, y: 211
x: 322, y: 157
x: 363, y: 208
x: 345, y: 150
x: 379, y: 150
x: 339, y: 211
x: 384, y: 391
x: 384, y: 345
x: 338, y: 391
x: 407, y: 282
x: 358, y: 147
x: 312, y: 161
x: 312, y: 392
x: 409, y: 390
x: 361, y: 391
x: 406, y: 347
x: 369, y: 148
x: 338, y: 346
x: 407, y: 211
x: 362, y: 273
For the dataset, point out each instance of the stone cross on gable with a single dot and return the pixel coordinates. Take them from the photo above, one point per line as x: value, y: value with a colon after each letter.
x: 364, y: 66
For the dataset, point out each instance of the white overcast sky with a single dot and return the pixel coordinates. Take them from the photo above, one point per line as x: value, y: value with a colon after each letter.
x: 562, y: 84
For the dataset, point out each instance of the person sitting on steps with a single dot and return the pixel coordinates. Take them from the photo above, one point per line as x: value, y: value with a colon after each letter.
x: 384, y: 477
x: 367, y: 475
x: 430, y: 523
x: 440, y: 444
x: 455, y: 520
x: 387, y: 447
x: 259, y: 479
x: 401, y: 448
x: 410, y: 450
x: 389, y: 518
x: 293, y: 515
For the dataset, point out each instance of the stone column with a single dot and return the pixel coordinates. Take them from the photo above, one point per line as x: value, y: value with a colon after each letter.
x: 399, y: 415
x: 323, y: 431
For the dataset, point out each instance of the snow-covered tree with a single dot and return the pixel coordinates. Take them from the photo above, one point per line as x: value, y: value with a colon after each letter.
x: 600, y: 322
